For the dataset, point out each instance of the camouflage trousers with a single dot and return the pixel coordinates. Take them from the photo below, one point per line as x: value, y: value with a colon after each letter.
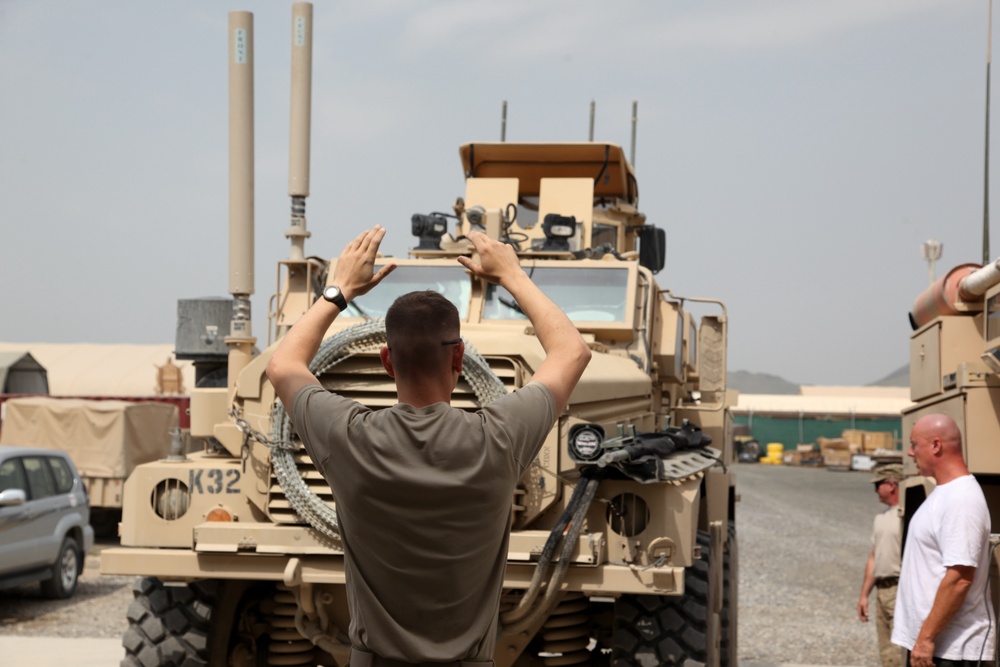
x: 890, y: 654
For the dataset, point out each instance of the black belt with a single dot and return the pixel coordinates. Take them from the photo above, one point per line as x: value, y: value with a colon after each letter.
x: 886, y: 582
x: 366, y: 659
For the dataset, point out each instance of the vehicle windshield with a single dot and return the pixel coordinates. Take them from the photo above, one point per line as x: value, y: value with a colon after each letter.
x: 451, y: 281
x: 585, y: 295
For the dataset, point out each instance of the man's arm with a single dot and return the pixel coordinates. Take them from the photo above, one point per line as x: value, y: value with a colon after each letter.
x: 566, y: 353
x: 288, y: 369
x: 951, y: 593
x: 866, y: 587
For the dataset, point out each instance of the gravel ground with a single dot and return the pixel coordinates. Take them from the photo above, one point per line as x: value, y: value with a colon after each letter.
x: 97, y: 608
x: 804, y: 537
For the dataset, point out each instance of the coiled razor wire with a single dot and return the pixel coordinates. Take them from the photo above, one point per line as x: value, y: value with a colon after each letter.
x: 359, y: 338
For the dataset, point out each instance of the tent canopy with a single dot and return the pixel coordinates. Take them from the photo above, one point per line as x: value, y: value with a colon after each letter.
x: 20, y: 373
x: 91, y: 369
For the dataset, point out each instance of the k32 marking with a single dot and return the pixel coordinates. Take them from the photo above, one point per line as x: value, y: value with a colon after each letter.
x: 214, y: 481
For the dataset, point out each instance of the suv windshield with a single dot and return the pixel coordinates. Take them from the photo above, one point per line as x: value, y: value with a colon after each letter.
x: 585, y: 295
x: 451, y: 281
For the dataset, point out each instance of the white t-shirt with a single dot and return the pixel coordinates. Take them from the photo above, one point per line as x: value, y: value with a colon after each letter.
x: 951, y: 527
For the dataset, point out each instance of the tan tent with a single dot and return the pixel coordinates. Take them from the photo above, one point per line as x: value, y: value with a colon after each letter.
x: 842, y: 404
x: 20, y: 373
x: 105, y: 439
x: 90, y: 369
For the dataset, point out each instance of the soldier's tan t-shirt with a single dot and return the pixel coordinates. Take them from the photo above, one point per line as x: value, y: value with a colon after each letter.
x: 424, y: 503
x: 887, y: 536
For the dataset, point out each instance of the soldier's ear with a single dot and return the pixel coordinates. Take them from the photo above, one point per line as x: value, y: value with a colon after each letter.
x: 383, y: 354
x: 457, y: 355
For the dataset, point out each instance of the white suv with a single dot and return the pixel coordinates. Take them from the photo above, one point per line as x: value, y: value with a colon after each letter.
x: 44, y: 520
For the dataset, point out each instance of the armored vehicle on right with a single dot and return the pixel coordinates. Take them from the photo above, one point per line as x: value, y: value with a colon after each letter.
x: 955, y: 370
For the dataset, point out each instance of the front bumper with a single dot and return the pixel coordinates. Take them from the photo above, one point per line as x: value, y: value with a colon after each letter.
x: 185, y: 565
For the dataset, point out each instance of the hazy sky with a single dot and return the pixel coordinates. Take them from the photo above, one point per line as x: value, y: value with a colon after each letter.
x: 797, y: 152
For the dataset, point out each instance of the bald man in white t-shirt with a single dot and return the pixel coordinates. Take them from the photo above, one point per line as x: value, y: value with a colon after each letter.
x: 942, y: 613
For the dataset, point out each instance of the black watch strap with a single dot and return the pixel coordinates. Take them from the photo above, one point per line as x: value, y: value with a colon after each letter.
x: 333, y: 294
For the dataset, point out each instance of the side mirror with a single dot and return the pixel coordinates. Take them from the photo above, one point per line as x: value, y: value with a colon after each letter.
x: 652, y: 248
x: 12, y: 497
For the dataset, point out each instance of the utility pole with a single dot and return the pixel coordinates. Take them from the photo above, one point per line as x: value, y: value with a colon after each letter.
x: 986, y: 162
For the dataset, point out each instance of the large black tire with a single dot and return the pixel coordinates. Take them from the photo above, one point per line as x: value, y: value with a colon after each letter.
x: 730, y: 597
x: 653, y: 630
x: 169, y: 625
x: 65, y: 571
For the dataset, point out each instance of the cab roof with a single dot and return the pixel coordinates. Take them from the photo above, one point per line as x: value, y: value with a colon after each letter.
x: 530, y: 162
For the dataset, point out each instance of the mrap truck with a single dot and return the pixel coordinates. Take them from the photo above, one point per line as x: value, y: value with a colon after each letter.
x: 955, y: 370
x: 623, y: 547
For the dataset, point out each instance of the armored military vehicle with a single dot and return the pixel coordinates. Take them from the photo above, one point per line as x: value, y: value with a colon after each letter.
x: 623, y: 548
x: 955, y: 370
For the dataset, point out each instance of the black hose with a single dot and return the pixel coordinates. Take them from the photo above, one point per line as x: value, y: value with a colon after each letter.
x: 541, y: 569
x: 552, y: 588
x: 557, y: 531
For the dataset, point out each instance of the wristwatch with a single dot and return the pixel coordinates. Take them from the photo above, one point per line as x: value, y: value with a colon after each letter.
x: 333, y: 294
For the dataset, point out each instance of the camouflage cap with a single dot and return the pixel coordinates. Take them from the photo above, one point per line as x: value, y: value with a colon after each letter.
x: 891, y: 471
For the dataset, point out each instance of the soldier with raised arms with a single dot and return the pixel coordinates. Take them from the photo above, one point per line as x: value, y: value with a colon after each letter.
x: 424, y: 490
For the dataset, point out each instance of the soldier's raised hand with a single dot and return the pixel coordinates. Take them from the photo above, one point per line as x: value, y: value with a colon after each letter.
x: 355, y: 272
x: 497, y: 261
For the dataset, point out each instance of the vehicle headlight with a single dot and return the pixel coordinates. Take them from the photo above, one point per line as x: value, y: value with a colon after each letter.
x: 585, y: 442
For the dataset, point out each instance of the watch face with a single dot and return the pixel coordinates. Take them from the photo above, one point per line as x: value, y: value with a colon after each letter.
x: 333, y: 294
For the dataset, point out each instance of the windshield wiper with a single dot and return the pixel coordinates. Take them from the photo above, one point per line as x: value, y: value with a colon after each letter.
x: 512, y: 304
x: 364, y: 313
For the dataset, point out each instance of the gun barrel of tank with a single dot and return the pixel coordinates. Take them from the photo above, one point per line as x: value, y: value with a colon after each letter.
x: 241, y: 151
x: 962, y: 286
x: 975, y: 285
x: 301, y: 117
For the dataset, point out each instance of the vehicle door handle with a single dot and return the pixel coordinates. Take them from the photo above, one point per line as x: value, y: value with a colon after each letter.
x: 16, y: 517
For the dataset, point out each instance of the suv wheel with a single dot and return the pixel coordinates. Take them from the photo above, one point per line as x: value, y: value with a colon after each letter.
x: 65, y: 571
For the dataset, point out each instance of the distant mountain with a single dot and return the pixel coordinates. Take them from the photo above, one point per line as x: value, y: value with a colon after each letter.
x: 759, y: 383
x: 765, y: 383
x: 898, y: 378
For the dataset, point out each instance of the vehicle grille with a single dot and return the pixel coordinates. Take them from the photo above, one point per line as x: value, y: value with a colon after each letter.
x: 362, y: 378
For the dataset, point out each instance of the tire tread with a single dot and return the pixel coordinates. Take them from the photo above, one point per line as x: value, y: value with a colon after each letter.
x: 168, y: 625
x: 671, y: 630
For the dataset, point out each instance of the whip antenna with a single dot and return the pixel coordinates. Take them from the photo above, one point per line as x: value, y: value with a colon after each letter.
x: 301, y: 125
x: 635, y: 121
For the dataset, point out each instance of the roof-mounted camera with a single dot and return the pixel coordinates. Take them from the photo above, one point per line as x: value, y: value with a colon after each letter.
x: 429, y: 229
x: 558, y: 230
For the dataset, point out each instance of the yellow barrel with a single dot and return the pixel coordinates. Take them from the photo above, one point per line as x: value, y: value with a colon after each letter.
x: 775, y: 454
